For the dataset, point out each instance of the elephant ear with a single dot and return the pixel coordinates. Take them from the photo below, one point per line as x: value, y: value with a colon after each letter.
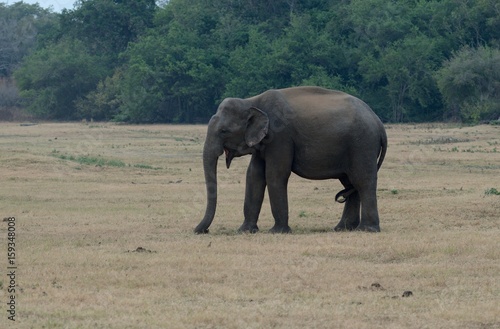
x: 257, y: 126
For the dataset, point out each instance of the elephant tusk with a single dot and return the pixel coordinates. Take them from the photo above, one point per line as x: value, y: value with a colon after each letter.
x: 229, y: 157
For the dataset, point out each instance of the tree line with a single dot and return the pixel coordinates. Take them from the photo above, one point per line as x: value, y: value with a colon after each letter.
x: 173, y: 61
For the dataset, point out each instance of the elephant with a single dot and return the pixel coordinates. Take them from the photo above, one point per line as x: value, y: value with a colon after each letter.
x: 313, y: 132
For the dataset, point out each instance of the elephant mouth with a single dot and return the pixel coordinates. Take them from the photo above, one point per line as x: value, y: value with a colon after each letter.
x: 230, y: 154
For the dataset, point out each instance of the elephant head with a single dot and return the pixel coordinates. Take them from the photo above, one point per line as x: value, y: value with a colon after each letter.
x: 236, y: 129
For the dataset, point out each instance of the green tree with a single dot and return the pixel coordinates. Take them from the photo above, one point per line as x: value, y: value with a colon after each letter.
x: 403, y: 72
x: 303, y: 55
x: 104, y: 103
x: 175, y: 63
x: 75, y: 60
x: 20, y: 28
x: 107, y: 26
x: 51, y: 79
x: 470, y: 84
x: 251, y: 68
x: 141, y: 89
x: 175, y: 73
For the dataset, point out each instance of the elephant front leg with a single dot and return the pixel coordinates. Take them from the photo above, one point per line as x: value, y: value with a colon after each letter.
x: 254, y: 194
x: 278, y: 196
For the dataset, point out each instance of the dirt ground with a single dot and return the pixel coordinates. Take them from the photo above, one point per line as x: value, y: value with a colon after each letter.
x: 104, y: 215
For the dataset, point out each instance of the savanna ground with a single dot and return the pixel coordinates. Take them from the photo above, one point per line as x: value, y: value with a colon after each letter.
x: 104, y: 218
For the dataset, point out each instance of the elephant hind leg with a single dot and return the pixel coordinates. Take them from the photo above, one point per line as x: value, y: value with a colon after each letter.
x: 366, y: 185
x: 351, y: 215
x: 369, y: 212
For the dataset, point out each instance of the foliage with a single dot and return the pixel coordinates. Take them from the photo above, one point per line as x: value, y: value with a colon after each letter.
x: 65, y: 78
x: 53, y: 78
x: 20, y: 24
x: 9, y: 96
x: 103, y: 103
x: 172, y: 74
x: 175, y: 61
x: 107, y: 26
x: 89, y: 160
x: 492, y: 191
x: 470, y: 83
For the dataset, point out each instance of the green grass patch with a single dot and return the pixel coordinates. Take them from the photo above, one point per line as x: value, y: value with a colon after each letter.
x: 99, y: 161
x: 440, y: 140
x: 144, y: 166
x: 89, y: 160
x: 492, y: 191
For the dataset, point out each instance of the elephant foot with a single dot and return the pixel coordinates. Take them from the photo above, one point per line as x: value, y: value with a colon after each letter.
x: 368, y: 228
x: 248, y: 228
x: 280, y: 229
x: 343, y: 228
x: 201, y: 230
x: 346, y: 226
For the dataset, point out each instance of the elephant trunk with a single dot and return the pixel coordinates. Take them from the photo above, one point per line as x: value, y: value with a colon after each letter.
x: 211, y: 152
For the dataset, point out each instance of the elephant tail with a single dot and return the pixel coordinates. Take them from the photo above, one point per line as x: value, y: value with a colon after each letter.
x: 383, y: 148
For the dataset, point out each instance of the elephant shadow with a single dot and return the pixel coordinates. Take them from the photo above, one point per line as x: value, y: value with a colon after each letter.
x: 302, y: 230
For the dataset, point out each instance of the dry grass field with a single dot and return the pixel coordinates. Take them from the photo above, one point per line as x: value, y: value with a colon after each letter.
x: 104, y: 218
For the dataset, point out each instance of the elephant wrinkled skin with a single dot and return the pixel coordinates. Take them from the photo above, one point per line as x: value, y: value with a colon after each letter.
x: 315, y: 133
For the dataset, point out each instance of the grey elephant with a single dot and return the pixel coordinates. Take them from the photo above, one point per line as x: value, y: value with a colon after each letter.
x: 314, y: 132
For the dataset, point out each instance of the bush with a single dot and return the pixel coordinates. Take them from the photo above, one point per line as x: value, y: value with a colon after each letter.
x: 469, y: 83
x: 492, y: 191
x: 9, y: 95
x: 53, y: 78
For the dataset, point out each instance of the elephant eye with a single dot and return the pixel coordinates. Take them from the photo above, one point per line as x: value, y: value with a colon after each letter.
x: 224, y: 131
